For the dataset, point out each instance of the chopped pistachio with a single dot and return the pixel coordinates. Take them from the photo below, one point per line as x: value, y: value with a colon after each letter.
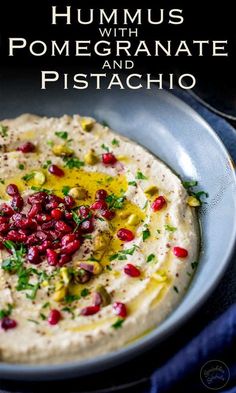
x: 60, y: 294
x: 62, y: 150
x: 39, y: 178
x: 133, y: 219
x: 101, y: 241
x: 193, y: 202
x: 78, y: 193
x: 65, y: 275
x: 151, y: 190
x: 90, y: 158
x: 93, y: 267
x: 102, y: 292
x: 87, y: 124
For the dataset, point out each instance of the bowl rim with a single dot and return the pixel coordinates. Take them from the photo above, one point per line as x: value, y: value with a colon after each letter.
x: 32, y: 372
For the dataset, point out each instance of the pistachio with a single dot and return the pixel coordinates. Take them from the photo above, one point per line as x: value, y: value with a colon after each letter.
x: 193, y: 201
x: 62, y: 150
x: 133, y: 219
x: 159, y: 277
x: 82, y: 276
x: 101, y: 241
x: 91, y: 267
x: 90, y: 158
x: 65, y: 275
x: 39, y: 178
x: 124, y: 214
x: 87, y: 124
x: 151, y: 190
x: 101, y: 296
x: 60, y: 294
x: 78, y: 193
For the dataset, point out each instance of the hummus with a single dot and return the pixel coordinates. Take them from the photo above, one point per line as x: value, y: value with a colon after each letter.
x: 99, y: 239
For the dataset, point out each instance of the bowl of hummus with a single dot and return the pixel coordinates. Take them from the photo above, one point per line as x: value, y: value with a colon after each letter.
x: 99, y: 244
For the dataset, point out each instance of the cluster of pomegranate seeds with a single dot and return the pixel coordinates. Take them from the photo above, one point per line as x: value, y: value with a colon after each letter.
x: 101, y: 205
x: 109, y: 159
x: 26, y: 147
x: 131, y: 270
x: 180, y: 252
x: 54, y: 317
x: 125, y: 235
x: 8, y: 323
x: 120, y: 309
x: 46, y: 227
x: 158, y: 204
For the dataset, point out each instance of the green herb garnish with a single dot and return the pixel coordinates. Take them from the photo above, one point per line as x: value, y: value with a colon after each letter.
x: 85, y: 292
x: 115, y: 142
x: 6, y: 312
x: 121, y: 255
x: 104, y: 147
x: 73, y: 162
x: 146, y: 234
x: 170, y: 228
x: 151, y: 257
x: 62, y: 134
x: 47, y: 163
x: 28, y: 176
x: 140, y: 176
x: 3, y: 130
x: 42, y: 316
x: 175, y: 289
x: 189, y: 185
x: 65, y: 190
x: 132, y: 183
x: 21, y: 167
x: 118, y: 324
x: 194, y: 265
x: 115, y: 202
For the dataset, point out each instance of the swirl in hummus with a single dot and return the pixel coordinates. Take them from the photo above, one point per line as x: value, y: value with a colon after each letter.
x: 99, y: 239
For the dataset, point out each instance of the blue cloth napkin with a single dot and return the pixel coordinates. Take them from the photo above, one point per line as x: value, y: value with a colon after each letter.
x: 208, y: 361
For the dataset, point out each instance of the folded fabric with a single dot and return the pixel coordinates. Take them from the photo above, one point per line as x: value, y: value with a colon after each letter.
x: 189, y: 369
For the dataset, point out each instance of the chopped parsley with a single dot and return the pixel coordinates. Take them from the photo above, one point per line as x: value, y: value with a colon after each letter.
x: 194, y: 265
x: 28, y: 176
x: 170, y: 228
x: 104, y: 147
x: 35, y: 188
x: 132, y: 183
x: 62, y: 134
x: 85, y: 292
x: 118, y: 324
x: 3, y: 130
x: 115, y: 142
x: 104, y: 123
x: 2, y: 181
x: 175, y: 289
x: 42, y: 316
x: 6, y: 312
x: 121, y: 255
x: 140, y: 176
x: 45, y: 305
x: 70, y: 310
x: 65, y: 190
x: 73, y: 162
x: 33, y: 320
x: 50, y: 143
x: 189, y: 185
x: 71, y: 298
x: 151, y: 257
x: 47, y: 163
x: 115, y: 202
x: 146, y: 234
x: 21, y: 167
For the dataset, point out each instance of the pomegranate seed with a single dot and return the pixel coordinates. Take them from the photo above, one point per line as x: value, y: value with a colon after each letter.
x: 33, y: 255
x: 34, y: 210
x: 41, y: 218
x: 44, y: 246
x: 125, y: 235
x: 8, y: 323
x: 56, y: 214
x: 131, y: 270
x: 84, y: 211
x: 55, y: 235
x: 52, y: 257
x: 48, y: 225
x: 99, y: 205
x: 6, y: 210
x: 41, y: 235
x: 69, y: 201
x: 1, y: 244
x: 12, y: 190
x: 158, y: 204
x: 120, y: 309
x: 87, y: 226
x: 109, y: 159
x: 64, y: 259
x: 32, y: 240
x: 15, y: 236
x: 54, y: 198
x: 26, y: 147
x: 4, y: 227
x: 90, y: 310
x: 180, y: 252
x: 54, y: 317
x: 56, y: 171
x: 68, y: 216
x: 108, y: 214
x: 4, y: 220
x: 68, y: 239
x: 51, y: 205
x: 101, y: 195
x: 63, y: 227
x: 70, y: 248
x: 26, y: 223
x: 38, y: 197
x: 17, y: 202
